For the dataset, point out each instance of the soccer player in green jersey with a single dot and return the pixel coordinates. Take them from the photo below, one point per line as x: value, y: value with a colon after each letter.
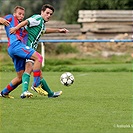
x: 35, y: 26
x: 19, y: 52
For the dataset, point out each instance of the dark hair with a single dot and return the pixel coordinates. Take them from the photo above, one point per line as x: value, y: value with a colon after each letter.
x: 18, y: 7
x: 47, y: 6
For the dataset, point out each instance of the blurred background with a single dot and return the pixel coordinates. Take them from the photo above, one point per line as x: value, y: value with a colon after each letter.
x: 66, y: 10
x: 85, y: 19
x: 101, y: 98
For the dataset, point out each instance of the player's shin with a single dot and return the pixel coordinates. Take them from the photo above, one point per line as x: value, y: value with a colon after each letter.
x: 36, y: 74
x: 10, y: 87
x: 25, y: 81
x: 46, y: 87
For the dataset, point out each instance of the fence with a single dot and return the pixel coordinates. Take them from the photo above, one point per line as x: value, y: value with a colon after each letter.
x: 42, y: 42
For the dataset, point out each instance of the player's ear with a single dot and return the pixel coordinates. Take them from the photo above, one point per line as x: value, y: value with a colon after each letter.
x: 14, y: 14
x: 42, y: 11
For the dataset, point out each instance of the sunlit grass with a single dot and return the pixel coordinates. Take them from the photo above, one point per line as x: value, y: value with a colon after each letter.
x: 95, y: 103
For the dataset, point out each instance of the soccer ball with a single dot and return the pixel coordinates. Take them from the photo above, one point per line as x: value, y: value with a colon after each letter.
x: 67, y: 79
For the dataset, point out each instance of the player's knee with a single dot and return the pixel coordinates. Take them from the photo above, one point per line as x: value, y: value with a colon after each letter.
x: 19, y: 80
x: 40, y: 58
x: 28, y: 67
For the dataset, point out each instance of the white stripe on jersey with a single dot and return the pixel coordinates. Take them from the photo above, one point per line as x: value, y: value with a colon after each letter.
x: 35, y: 28
x: 33, y: 22
x: 37, y: 16
x: 34, y: 43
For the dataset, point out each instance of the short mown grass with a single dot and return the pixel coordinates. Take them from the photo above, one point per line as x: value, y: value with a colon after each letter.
x: 97, y: 102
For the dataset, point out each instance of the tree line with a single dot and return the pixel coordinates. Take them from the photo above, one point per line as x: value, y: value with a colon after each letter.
x: 66, y: 10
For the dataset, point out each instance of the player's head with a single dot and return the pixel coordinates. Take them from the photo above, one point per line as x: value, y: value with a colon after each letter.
x: 47, y: 11
x: 19, y: 12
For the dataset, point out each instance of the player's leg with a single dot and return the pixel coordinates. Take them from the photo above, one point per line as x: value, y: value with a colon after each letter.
x: 29, y: 53
x: 25, y: 82
x: 26, y: 76
x: 25, y: 52
x: 18, y: 79
x: 45, y: 87
x: 37, y: 68
x: 37, y: 73
x: 16, y: 53
x: 51, y: 94
x: 12, y: 85
x: 20, y: 65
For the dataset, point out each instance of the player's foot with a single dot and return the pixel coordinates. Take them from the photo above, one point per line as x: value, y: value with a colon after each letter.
x: 26, y: 94
x: 56, y: 94
x: 39, y: 90
x: 6, y: 96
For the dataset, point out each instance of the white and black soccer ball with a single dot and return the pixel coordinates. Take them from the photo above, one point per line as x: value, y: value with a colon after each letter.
x: 67, y: 79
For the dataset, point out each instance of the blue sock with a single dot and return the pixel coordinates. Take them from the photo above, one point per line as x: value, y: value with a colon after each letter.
x: 36, y: 74
x: 10, y: 87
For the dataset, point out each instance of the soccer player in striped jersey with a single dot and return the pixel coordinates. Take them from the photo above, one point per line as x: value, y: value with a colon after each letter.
x: 19, y: 52
x: 35, y: 26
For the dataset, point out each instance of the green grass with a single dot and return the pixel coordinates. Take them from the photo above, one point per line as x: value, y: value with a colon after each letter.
x: 97, y: 102
x: 77, y: 65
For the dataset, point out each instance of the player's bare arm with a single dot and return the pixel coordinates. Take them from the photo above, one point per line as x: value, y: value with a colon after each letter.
x: 60, y: 30
x: 4, y: 21
x: 22, y: 24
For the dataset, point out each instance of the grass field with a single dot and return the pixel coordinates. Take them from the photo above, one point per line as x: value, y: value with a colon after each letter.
x: 98, y: 102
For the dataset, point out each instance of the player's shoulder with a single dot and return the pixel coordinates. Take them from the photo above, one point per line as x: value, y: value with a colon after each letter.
x: 9, y: 17
x: 37, y: 16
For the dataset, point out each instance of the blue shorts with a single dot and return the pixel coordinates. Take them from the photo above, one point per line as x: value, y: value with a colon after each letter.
x: 19, y: 52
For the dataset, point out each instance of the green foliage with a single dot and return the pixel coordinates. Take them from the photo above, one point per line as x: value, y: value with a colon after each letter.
x: 3, y: 47
x: 56, y: 62
x: 77, y: 64
x: 64, y: 9
x: 72, y: 7
x: 89, y: 68
x: 31, y: 6
x: 65, y: 48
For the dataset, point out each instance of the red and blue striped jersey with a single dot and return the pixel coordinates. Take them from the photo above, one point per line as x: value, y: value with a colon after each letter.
x: 21, y: 34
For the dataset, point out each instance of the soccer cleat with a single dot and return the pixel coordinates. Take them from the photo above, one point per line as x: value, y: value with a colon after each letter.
x: 6, y: 96
x: 39, y: 90
x: 26, y: 94
x: 32, y: 88
x: 56, y: 94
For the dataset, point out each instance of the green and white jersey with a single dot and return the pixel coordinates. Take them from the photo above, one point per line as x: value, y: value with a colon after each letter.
x: 35, y: 29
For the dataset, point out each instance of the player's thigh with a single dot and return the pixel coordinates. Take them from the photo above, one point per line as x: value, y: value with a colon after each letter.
x: 19, y: 63
x: 20, y: 73
x: 21, y: 50
x: 38, y: 56
x: 25, y: 52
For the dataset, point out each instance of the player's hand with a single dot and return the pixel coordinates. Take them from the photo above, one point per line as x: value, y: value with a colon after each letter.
x: 63, y: 30
x: 5, y: 22
x: 13, y: 30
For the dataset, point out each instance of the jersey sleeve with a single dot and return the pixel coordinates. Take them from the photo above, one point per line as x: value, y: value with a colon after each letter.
x: 8, y: 17
x: 34, y: 21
